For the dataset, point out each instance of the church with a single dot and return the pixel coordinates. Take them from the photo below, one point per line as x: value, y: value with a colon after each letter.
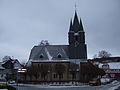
x: 58, y: 63
x: 76, y: 49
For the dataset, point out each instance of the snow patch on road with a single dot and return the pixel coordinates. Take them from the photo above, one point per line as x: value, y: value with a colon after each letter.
x: 116, y: 83
x: 113, y: 88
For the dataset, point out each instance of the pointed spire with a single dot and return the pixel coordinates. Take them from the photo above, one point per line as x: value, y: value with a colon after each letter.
x: 76, y: 23
x: 70, y: 29
x: 81, y: 26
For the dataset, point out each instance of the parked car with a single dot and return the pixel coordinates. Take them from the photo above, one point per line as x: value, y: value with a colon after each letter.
x: 95, y: 82
x: 106, y: 80
x: 12, y: 82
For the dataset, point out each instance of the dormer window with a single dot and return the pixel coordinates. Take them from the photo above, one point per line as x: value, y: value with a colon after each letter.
x: 59, y: 56
x: 41, y: 56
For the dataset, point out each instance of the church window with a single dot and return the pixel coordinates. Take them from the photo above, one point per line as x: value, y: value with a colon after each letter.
x: 59, y: 56
x: 41, y: 56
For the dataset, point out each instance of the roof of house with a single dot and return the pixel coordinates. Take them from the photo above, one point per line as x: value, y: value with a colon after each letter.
x: 112, y: 65
x: 108, y: 59
x: 49, y: 52
x: 12, y: 63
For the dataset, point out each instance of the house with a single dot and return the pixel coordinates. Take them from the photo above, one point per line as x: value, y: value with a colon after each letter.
x: 12, y: 64
x: 89, y: 71
x: 111, y: 69
x: 11, y: 67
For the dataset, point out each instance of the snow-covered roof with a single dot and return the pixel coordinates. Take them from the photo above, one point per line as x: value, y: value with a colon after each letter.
x: 17, y: 65
x: 69, y: 60
x: 50, y: 61
x: 114, y: 65
x: 50, y: 52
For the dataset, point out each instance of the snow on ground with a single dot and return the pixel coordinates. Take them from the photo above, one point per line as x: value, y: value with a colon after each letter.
x: 111, y: 86
x: 115, y: 87
x: 54, y: 85
x: 115, y: 84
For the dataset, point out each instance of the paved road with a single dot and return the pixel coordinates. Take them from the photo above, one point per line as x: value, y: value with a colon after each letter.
x: 84, y: 87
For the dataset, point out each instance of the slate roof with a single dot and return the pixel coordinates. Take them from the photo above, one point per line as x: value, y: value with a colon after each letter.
x: 49, y: 52
x: 12, y: 63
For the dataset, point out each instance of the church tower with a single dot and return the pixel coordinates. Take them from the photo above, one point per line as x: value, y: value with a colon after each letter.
x: 76, y: 35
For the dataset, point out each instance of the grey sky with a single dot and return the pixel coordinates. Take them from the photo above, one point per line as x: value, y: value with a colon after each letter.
x: 24, y: 23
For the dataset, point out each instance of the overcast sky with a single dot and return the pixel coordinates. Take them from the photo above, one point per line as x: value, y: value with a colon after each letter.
x: 24, y: 23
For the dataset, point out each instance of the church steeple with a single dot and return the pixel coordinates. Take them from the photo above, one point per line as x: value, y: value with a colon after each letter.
x: 77, y: 46
x: 76, y: 32
x: 76, y: 23
x: 76, y: 26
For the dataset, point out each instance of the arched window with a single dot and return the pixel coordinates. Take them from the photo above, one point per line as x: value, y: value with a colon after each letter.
x: 59, y: 56
x: 41, y: 56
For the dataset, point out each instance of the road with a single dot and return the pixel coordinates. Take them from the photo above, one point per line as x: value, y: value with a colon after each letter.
x: 84, y: 87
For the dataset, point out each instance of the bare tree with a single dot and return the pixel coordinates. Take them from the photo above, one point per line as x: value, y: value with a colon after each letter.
x: 102, y: 54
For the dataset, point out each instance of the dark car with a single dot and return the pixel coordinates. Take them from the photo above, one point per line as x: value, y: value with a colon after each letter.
x: 95, y: 82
